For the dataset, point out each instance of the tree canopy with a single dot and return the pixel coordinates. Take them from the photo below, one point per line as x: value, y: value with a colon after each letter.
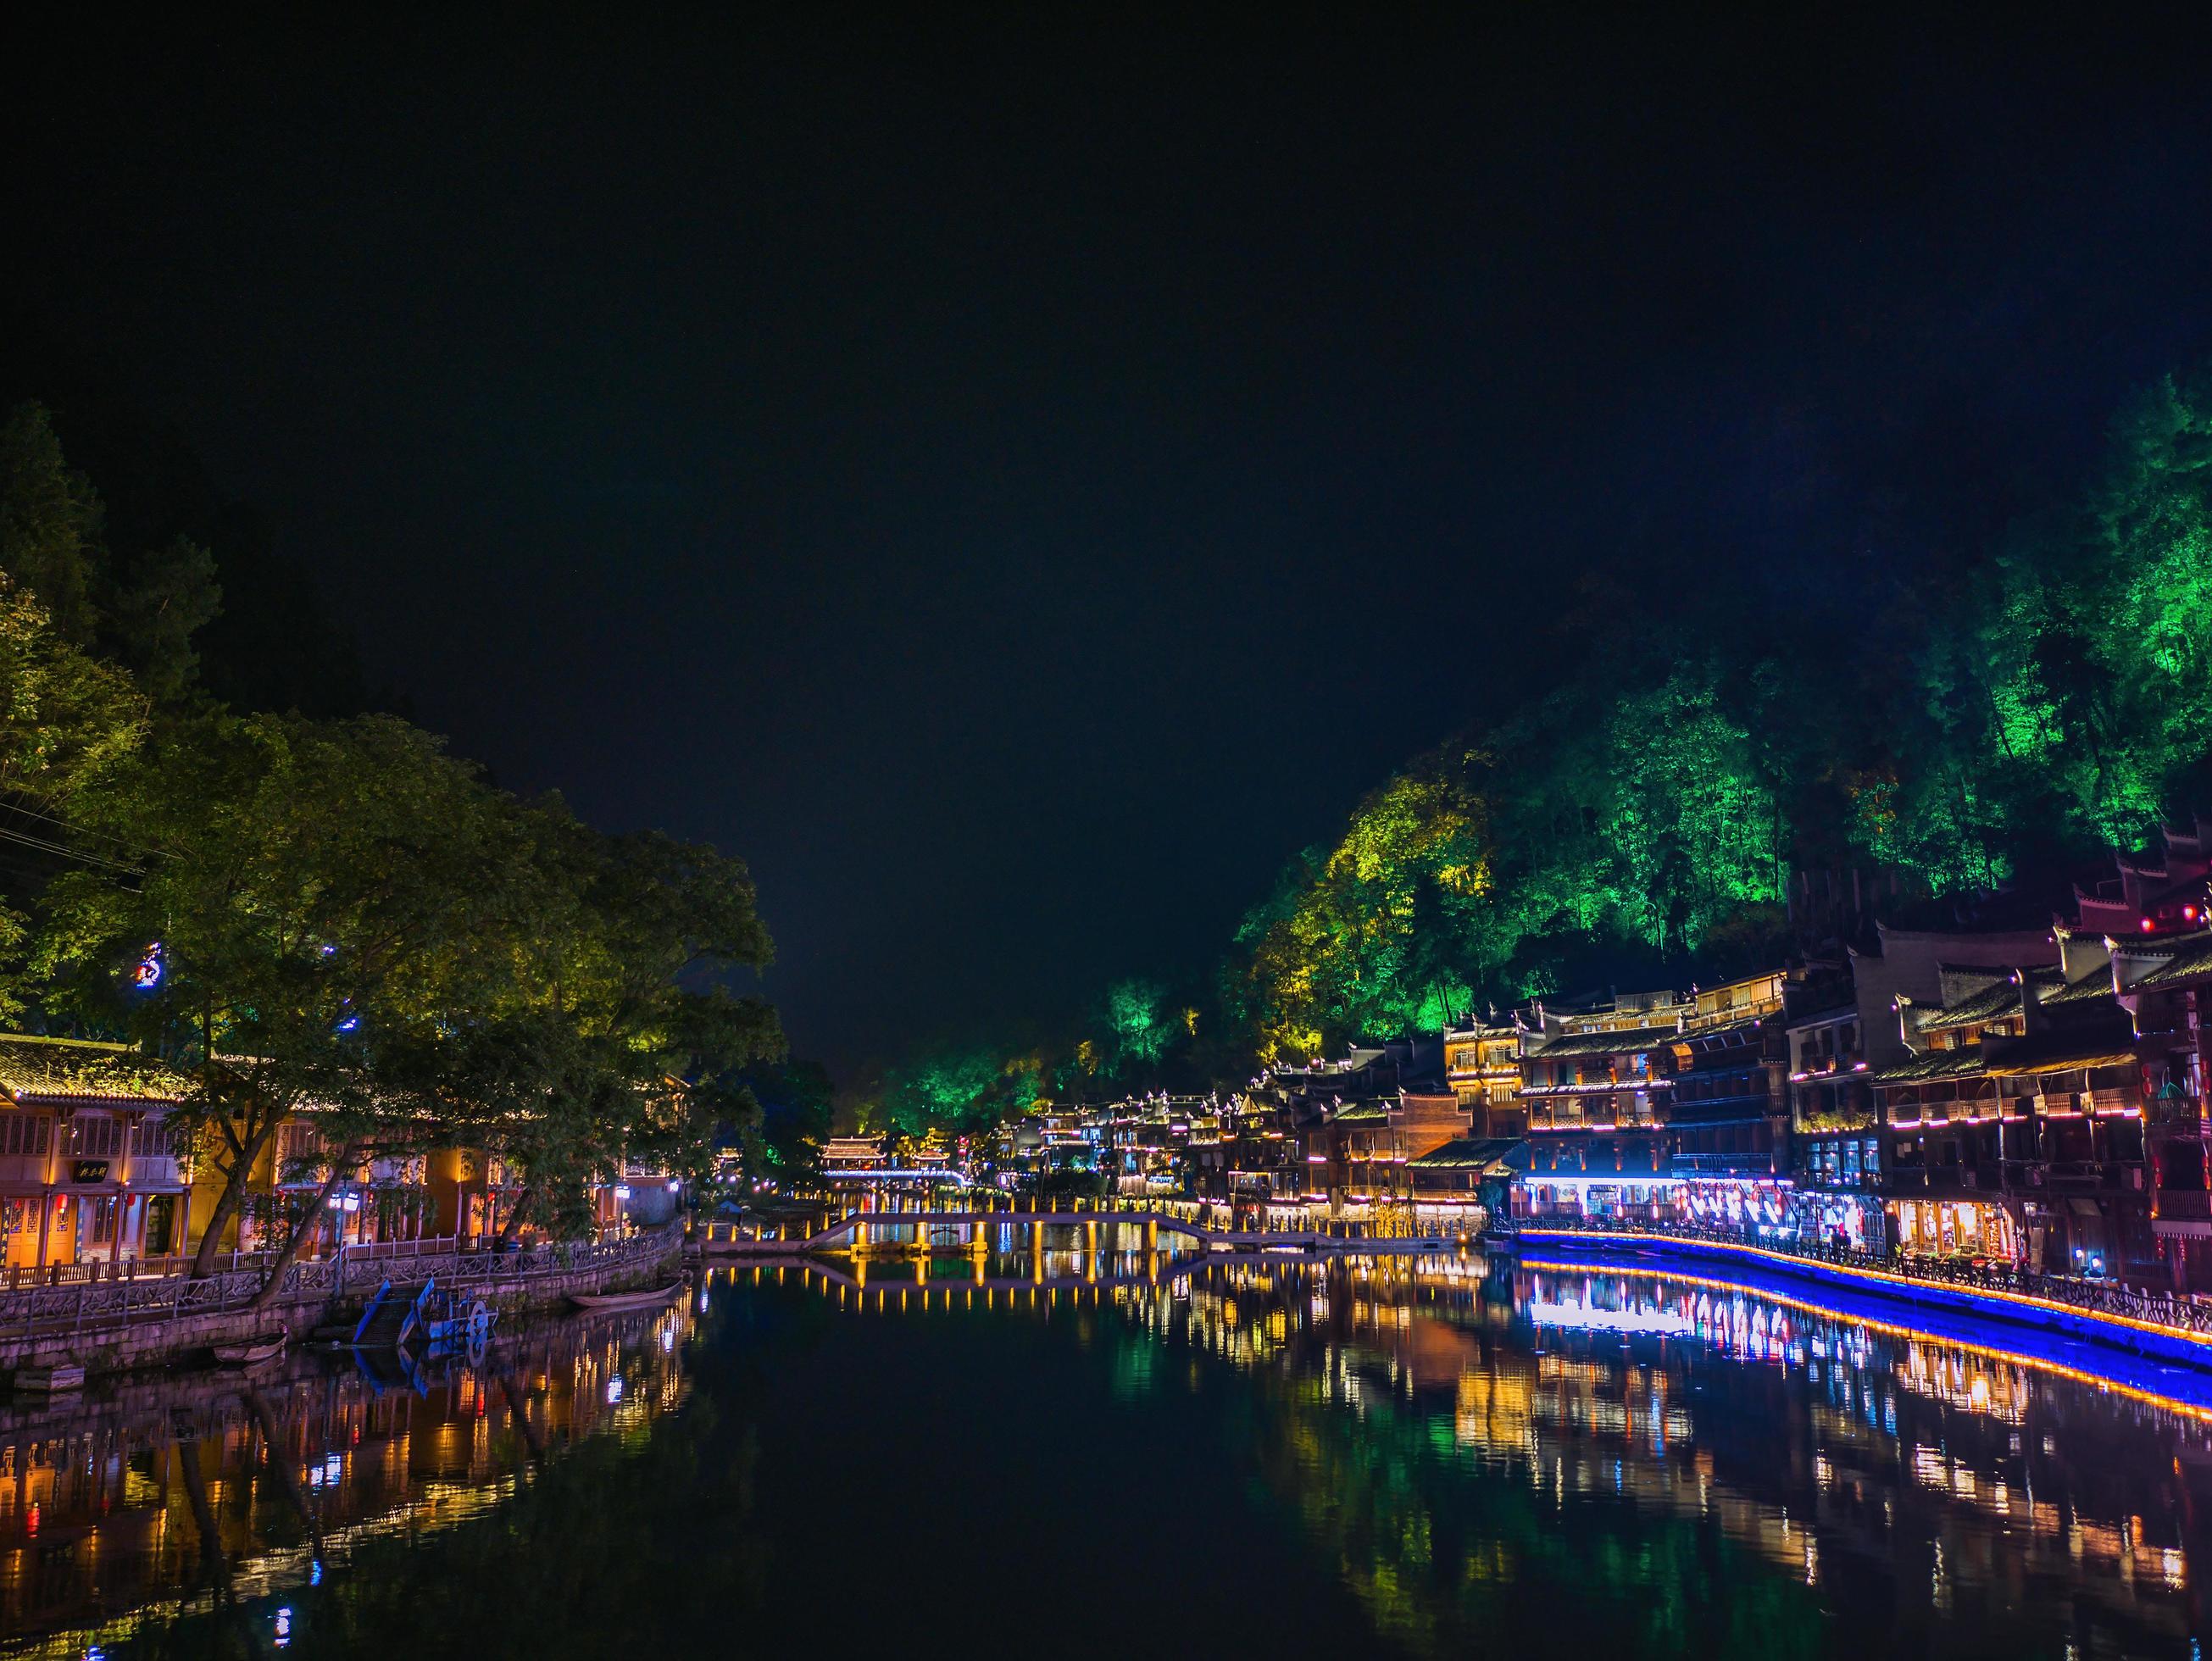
x: 333, y: 922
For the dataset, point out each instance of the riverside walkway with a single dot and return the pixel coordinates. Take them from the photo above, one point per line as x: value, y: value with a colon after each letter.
x: 87, y: 1308
x: 2179, y: 1328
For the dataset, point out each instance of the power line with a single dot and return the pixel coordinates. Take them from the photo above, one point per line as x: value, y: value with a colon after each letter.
x: 63, y: 851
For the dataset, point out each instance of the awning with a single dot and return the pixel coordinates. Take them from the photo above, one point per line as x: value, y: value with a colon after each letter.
x: 2073, y: 1059
x: 1491, y: 1156
x: 1932, y: 1067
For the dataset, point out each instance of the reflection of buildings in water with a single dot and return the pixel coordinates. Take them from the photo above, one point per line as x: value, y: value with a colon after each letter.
x: 1839, y: 1452
x: 98, y: 1523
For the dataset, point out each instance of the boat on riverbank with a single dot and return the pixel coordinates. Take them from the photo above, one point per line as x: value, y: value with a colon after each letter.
x: 597, y: 1303
x: 252, y: 1351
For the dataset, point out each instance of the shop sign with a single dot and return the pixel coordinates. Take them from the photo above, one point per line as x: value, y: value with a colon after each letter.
x: 88, y: 1171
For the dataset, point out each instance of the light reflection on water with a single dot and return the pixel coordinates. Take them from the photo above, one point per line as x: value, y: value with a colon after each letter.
x: 1421, y: 1457
x: 1970, y: 1497
x: 218, y: 1496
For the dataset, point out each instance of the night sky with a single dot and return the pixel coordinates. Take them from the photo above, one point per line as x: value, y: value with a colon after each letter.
x: 1018, y: 487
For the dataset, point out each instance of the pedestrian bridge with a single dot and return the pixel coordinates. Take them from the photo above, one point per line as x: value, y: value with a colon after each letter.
x: 866, y: 1231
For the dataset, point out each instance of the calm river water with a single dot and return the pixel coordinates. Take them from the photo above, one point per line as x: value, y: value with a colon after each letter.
x: 1269, y: 1459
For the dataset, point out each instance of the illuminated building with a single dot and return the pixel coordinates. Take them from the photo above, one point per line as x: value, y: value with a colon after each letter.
x: 1592, y: 1081
x: 1358, y: 1121
x: 1657, y: 1106
x: 2012, y: 1129
x: 1482, y: 1063
x: 1835, y: 1141
x: 90, y: 1169
x: 2165, y: 983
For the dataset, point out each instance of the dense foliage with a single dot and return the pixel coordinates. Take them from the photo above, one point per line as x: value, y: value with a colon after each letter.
x: 1950, y: 721
x: 1967, y: 723
x: 332, y: 916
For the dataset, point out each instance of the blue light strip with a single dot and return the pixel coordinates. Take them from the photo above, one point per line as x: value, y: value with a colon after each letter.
x: 2124, y: 1331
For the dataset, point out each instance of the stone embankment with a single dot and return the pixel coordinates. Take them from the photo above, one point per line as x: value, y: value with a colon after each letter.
x: 124, y: 1325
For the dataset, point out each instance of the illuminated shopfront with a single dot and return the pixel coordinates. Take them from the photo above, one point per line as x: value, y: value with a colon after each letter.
x: 1742, y: 1205
x: 1955, y: 1228
x: 1853, y: 1222
x: 1637, y: 1199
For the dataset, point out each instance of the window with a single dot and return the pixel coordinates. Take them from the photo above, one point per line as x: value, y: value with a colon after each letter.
x: 297, y: 1142
x: 27, y: 1135
x: 95, y: 1136
x: 159, y: 1139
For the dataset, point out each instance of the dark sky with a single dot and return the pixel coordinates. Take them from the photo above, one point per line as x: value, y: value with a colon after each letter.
x: 1017, y: 484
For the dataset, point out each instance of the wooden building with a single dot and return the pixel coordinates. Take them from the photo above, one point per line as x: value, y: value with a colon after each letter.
x: 89, y: 1165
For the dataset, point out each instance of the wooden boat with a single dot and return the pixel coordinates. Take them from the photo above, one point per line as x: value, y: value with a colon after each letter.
x: 251, y: 1352
x: 599, y: 1302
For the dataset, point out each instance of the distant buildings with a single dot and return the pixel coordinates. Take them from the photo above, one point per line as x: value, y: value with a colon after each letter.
x: 2031, y: 1098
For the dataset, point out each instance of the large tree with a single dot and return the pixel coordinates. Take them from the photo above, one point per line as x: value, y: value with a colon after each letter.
x: 620, y: 1029
x: 311, y: 896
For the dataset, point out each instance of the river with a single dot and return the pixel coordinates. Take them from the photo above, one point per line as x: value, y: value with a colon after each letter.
x: 1264, y: 1457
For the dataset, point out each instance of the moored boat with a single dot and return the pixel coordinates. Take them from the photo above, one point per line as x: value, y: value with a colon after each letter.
x: 597, y: 1302
x: 251, y: 1352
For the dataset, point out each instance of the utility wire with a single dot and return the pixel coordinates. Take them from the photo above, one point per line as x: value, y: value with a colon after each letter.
x: 63, y: 851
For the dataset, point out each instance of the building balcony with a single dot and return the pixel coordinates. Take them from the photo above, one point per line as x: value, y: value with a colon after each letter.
x: 2182, y: 1211
x: 1942, y: 1182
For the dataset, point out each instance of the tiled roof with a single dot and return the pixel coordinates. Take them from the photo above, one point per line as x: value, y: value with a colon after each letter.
x: 1964, y: 1063
x: 1991, y: 1003
x: 1469, y: 1153
x: 2191, y: 959
x: 1609, y: 1043
x: 63, y: 1069
x: 1361, y: 1113
x: 1740, y: 1024
x: 2090, y: 988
